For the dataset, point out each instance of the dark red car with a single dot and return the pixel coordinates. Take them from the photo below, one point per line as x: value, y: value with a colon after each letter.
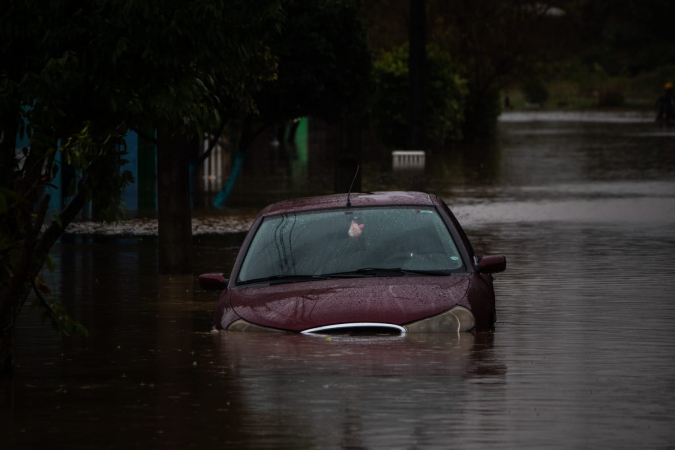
x: 387, y: 261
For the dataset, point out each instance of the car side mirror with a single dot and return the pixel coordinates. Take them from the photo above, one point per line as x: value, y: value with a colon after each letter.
x: 212, y: 281
x: 491, y: 264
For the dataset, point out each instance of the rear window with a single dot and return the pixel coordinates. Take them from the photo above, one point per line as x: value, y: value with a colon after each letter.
x: 325, y: 242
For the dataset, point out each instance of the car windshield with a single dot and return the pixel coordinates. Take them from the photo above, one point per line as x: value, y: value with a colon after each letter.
x: 337, y: 241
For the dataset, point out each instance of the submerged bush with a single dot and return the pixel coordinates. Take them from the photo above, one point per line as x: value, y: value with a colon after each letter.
x: 481, y: 112
x: 535, y: 91
x: 445, y: 94
x: 611, y: 97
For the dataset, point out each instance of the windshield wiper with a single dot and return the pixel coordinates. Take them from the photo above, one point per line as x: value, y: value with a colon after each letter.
x: 376, y: 271
x: 280, y: 279
x: 359, y: 273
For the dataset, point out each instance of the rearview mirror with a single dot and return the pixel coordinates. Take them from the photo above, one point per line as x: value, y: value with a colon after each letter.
x: 212, y: 281
x: 491, y: 264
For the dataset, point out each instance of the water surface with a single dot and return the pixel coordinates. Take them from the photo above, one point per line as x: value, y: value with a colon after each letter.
x: 583, y: 354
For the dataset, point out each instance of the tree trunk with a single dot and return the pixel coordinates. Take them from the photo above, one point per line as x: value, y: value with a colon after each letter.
x: 35, y: 243
x: 15, y: 284
x: 7, y: 327
x: 245, y: 140
x: 15, y: 288
x: 174, y: 213
x: 147, y: 171
x: 349, y: 158
x: 8, y: 132
x: 417, y: 73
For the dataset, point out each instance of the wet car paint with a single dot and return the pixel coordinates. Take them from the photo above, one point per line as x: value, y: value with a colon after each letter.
x: 357, y: 199
x: 395, y: 300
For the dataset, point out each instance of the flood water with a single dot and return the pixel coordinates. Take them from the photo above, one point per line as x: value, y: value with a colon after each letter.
x: 582, y: 356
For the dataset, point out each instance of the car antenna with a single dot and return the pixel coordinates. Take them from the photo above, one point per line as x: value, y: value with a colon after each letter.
x: 352, y: 185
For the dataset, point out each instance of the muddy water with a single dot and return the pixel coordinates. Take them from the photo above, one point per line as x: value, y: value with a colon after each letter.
x: 583, y: 354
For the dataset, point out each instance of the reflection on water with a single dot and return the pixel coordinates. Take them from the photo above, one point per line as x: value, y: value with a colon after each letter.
x: 576, y: 116
x: 582, y: 355
x: 352, y: 392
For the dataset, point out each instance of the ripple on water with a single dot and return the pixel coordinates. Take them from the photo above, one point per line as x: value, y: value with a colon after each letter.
x: 582, y: 354
x: 577, y: 116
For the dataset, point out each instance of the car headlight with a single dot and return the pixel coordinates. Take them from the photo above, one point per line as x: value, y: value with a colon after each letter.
x: 456, y: 319
x: 242, y: 325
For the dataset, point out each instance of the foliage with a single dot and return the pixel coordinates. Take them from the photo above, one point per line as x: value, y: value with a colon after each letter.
x: 611, y: 97
x: 445, y: 93
x: 481, y: 111
x: 166, y: 63
x: 628, y: 37
x: 535, y: 91
x: 499, y: 44
x: 76, y: 76
x: 495, y: 44
x: 324, y: 64
x: 55, y: 312
x: 24, y: 244
x: 324, y: 71
x: 653, y: 81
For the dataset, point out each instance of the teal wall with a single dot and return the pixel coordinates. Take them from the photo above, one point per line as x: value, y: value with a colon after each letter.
x: 141, y: 195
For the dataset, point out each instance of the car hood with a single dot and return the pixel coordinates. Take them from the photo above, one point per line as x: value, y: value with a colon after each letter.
x: 393, y: 300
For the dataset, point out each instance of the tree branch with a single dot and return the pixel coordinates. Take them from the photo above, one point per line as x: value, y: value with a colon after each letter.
x: 212, y: 145
x: 44, y: 302
x: 147, y: 137
x: 37, y: 226
x: 54, y: 230
x: 262, y: 128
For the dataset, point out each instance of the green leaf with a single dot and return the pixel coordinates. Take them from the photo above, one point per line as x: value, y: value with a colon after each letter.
x: 121, y: 46
x: 59, y: 318
x: 58, y: 220
x: 10, y: 194
x: 14, y: 256
x: 3, y: 203
x: 34, y: 304
x: 51, y: 265
x: 71, y: 188
x: 20, y: 225
x: 42, y: 286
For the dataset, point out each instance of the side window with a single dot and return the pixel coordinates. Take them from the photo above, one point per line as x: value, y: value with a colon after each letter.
x: 459, y: 228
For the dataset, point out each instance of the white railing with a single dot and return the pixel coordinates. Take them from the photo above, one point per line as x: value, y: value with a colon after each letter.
x: 212, y: 167
x: 402, y: 159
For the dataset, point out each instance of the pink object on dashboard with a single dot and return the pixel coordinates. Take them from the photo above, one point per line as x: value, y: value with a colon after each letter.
x: 355, y: 229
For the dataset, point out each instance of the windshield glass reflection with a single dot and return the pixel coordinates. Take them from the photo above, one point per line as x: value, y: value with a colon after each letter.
x: 327, y: 242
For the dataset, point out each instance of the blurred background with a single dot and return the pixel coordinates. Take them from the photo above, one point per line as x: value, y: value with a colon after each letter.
x: 353, y: 81
x: 139, y: 140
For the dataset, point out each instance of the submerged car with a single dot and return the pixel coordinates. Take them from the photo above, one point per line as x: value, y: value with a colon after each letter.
x: 394, y: 262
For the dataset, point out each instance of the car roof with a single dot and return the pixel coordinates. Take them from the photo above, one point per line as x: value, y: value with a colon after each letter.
x: 357, y: 200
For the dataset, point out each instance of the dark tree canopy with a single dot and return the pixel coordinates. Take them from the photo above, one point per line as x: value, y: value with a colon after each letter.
x: 493, y: 43
x: 159, y: 63
x: 324, y: 70
x: 324, y: 62
x: 628, y: 36
x: 445, y: 96
x: 502, y: 44
x: 76, y: 75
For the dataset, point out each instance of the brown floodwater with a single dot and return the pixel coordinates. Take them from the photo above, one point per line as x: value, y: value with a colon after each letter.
x: 583, y: 353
